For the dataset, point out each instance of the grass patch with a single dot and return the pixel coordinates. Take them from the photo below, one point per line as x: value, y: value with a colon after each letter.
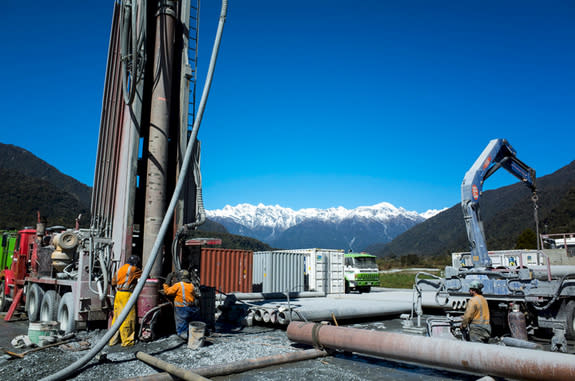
x: 400, y: 279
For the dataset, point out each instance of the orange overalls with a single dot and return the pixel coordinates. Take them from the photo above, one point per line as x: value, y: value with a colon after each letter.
x: 125, y: 282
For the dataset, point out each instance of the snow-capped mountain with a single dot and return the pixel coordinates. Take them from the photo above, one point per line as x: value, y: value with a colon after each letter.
x: 333, y: 228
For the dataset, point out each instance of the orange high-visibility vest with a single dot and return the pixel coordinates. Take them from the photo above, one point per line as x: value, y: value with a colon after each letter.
x: 184, y: 293
x: 126, y: 278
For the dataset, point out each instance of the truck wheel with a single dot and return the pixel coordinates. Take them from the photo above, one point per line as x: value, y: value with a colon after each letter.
x: 66, y: 313
x: 49, y: 306
x: 3, y: 297
x: 346, y: 287
x: 570, y: 312
x: 33, y: 302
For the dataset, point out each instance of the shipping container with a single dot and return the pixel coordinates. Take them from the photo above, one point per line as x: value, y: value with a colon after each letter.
x: 228, y: 270
x: 278, y: 271
x: 319, y: 270
x: 324, y: 270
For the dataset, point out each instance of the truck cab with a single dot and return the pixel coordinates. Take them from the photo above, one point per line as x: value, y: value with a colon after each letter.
x: 361, y: 272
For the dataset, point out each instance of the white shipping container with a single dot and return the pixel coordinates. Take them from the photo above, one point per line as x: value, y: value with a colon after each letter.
x: 278, y: 271
x: 324, y: 270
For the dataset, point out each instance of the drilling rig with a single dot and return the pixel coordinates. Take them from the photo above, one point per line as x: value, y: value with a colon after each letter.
x: 148, y: 121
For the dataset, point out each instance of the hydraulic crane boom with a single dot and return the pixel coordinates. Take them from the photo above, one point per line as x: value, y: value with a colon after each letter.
x: 497, y: 154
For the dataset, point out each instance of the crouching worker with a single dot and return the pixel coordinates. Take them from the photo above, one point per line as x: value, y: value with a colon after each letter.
x: 184, y: 293
x: 125, y: 281
x: 476, y: 317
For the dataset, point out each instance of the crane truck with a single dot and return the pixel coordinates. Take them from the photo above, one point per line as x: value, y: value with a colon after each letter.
x: 543, y: 299
x: 147, y: 122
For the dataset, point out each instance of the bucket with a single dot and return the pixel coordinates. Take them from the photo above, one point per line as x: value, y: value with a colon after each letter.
x: 196, y: 333
x: 43, y: 328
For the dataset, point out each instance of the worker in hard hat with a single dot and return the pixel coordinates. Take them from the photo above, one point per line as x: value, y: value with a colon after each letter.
x: 185, y: 300
x: 476, y: 317
x: 125, y: 281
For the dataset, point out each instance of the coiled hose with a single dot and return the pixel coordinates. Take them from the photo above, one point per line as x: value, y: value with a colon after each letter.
x: 74, y: 367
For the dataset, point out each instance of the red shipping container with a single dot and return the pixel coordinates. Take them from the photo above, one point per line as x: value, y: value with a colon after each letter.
x: 228, y: 270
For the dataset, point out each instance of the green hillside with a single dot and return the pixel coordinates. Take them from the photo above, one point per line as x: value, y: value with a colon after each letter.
x: 506, y: 213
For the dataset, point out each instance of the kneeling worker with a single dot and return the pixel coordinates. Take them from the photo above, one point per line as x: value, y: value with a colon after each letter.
x: 125, y: 281
x: 476, y: 317
x: 185, y: 310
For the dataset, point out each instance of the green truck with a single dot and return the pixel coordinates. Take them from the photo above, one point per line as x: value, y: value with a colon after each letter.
x: 7, y: 246
x: 361, y: 272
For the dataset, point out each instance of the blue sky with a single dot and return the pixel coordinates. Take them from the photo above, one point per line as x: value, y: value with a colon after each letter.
x: 319, y: 103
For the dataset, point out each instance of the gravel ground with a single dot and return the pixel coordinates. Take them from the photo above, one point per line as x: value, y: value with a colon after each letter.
x: 223, y: 346
x: 227, y: 344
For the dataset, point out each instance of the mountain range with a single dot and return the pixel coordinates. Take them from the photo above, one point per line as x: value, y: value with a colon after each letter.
x: 30, y: 184
x: 333, y: 228
x: 506, y: 213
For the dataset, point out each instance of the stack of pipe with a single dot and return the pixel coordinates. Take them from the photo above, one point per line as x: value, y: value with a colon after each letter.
x: 319, y: 309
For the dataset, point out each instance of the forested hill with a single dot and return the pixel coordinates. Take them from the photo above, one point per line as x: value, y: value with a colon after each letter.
x: 506, y: 213
x: 29, y: 165
x: 21, y: 197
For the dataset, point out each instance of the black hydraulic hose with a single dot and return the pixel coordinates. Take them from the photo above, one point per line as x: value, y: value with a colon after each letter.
x: 201, y: 217
x: 557, y: 293
x: 74, y: 367
x: 441, y: 289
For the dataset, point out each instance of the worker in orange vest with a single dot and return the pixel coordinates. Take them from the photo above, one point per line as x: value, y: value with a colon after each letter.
x: 185, y: 300
x: 476, y: 317
x: 125, y: 281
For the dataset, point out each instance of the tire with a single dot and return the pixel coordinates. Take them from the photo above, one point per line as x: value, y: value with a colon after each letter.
x: 66, y: 313
x: 570, y: 313
x: 68, y: 240
x: 3, y: 297
x: 33, y: 302
x: 347, y: 287
x: 49, y: 306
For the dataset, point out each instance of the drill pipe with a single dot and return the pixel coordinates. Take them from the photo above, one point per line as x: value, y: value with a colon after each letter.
x: 184, y: 374
x: 261, y: 362
x: 478, y: 358
x: 164, y: 376
x: 272, y: 295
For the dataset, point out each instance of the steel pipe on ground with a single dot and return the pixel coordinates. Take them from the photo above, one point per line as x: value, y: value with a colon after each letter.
x: 325, y: 309
x: 477, y: 358
x: 319, y: 309
x: 184, y: 374
x: 272, y: 295
x: 152, y: 377
x: 261, y: 362
x: 266, y: 316
x: 258, y: 314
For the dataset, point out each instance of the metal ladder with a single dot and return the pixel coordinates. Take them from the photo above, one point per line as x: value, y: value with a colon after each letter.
x: 193, y: 37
